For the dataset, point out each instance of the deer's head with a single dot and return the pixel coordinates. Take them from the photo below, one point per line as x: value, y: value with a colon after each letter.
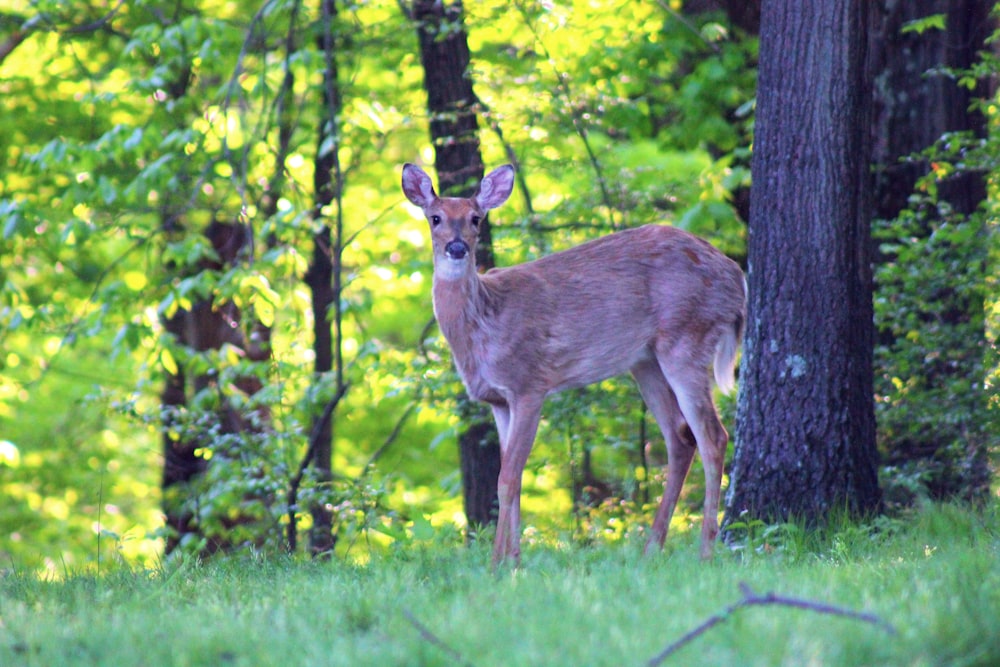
x: 455, y: 221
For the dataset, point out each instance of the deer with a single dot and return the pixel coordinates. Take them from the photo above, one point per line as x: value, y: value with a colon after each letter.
x: 654, y: 301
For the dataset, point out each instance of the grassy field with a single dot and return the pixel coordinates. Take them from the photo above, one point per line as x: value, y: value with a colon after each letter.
x: 935, y: 579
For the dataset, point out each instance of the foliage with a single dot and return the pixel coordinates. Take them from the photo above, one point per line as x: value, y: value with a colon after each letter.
x: 934, y: 578
x: 130, y: 128
x: 145, y: 125
x: 931, y: 386
x: 937, y: 311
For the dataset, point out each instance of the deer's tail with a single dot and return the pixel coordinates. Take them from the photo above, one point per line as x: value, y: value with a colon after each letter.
x: 725, y: 350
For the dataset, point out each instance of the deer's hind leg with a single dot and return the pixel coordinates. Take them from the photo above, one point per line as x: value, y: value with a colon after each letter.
x: 680, y: 441
x: 687, y: 374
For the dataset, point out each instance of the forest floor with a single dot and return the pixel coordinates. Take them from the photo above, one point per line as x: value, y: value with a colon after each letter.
x: 920, y: 591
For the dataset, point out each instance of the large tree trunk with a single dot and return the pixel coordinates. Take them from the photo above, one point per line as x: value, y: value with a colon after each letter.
x: 444, y: 53
x: 914, y: 108
x: 805, y: 435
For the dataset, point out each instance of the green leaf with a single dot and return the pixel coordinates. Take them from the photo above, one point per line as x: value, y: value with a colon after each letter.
x: 920, y: 26
x: 134, y: 139
x: 422, y: 528
x: 168, y: 361
x: 714, y: 32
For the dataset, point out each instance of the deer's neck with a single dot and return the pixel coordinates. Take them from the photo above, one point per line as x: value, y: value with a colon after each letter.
x: 459, y: 306
x: 462, y: 308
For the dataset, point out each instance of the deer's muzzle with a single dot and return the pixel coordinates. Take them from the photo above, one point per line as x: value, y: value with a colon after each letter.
x: 456, y: 249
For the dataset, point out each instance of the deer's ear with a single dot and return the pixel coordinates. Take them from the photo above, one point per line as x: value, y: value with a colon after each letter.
x: 496, y: 187
x: 417, y: 186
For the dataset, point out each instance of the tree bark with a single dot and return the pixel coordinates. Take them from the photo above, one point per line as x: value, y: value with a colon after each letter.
x: 805, y: 435
x: 324, y: 276
x: 451, y: 102
x: 180, y: 464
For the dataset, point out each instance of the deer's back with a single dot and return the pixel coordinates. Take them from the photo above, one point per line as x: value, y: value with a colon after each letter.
x: 593, y: 311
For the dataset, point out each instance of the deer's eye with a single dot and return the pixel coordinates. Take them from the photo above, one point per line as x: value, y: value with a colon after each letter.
x: 435, y: 220
x: 475, y: 220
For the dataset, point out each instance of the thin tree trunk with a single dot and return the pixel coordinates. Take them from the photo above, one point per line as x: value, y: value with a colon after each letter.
x: 805, y: 436
x: 324, y: 274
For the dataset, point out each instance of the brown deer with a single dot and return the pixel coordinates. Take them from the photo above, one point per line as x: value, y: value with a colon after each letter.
x: 655, y: 301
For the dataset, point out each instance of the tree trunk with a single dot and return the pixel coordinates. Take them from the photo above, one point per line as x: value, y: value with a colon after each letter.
x: 444, y: 53
x: 324, y: 276
x: 913, y: 109
x: 180, y: 464
x: 805, y: 435
x: 208, y: 325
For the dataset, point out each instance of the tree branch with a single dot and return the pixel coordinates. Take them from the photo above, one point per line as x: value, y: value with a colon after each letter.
x: 428, y: 636
x: 102, y: 23
x: 751, y: 599
x: 11, y: 43
x: 391, y: 438
x: 494, y: 123
x: 35, y: 24
x: 677, y: 16
x: 562, y: 90
x: 314, y: 440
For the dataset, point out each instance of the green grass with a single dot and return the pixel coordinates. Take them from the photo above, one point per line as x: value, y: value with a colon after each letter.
x: 935, y: 578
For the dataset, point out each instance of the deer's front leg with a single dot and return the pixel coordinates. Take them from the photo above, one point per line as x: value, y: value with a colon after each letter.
x: 517, y: 424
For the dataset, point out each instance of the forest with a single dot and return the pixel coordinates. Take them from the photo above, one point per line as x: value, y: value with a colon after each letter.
x: 217, y: 332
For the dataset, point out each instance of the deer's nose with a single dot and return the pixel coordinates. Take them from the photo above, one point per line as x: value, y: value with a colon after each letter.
x: 456, y: 249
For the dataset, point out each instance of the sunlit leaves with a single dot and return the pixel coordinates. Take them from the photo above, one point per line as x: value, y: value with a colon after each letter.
x: 254, y: 291
x: 121, y: 147
x: 168, y: 362
x: 922, y: 25
x: 10, y: 455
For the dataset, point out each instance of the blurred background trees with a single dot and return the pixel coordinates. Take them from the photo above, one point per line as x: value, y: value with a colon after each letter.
x: 934, y: 140
x: 216, y: 325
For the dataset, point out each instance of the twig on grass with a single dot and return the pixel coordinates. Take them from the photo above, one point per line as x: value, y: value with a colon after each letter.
x: 430, y: 637
x: 751, y: 599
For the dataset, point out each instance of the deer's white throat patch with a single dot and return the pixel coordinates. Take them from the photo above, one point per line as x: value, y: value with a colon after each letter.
x: 446, y: 268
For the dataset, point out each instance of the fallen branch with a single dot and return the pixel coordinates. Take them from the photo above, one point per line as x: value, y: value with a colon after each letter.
x: 432, y: 638
x: 751, y: 599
